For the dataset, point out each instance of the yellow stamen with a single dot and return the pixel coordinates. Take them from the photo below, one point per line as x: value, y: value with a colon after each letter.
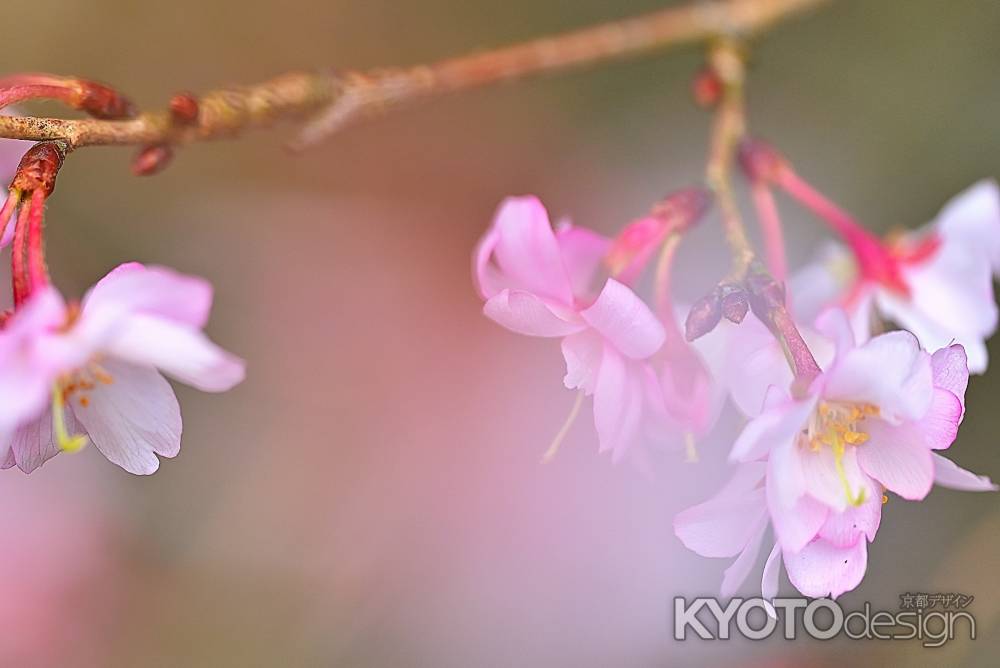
x: 65, y: 442
x: 855, y: 437
x: 557, y: 441
x: 885, y: 499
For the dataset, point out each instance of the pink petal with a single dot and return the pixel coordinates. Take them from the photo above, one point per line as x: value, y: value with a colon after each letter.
x: 821, y: 283
x: 625, y: 320
x: 950, y: 368
x: 485, y: 275
x: 822, y: 481
x: 724, y: 525
x: 769, y: 579
x: 781, y: 422
x: 973, y: 218
x: 940, y: 426
x: 33, y: 444
x: 582, y: 253
x: 737, y: 573
x: 178, y: 350
x: 8, y: 459
x: 746, y: 478
x: 525, y: 313
x: 843, y: 529
x: 835, y: 325
x: 27, y: 367
x: 949, y: 474
x: 159, y: 291
x: 634, y: 246
x: 690, y: 394
x: 132, y: 419
x: 936, y: 331
x: 784, y: 473
x: 583, y: 353
x: 526, y: 250
x: 618, y: 399
x: 796, y: 522
x: 897, y: 458
x: 821, y: 569
x: 890, y: 371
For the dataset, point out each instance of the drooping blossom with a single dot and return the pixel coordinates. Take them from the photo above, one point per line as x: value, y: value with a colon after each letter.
x: 537, y: 282
x: 68, y: 372
x: 692, y: 396
x: 936, y: 282
x: 815, y: 467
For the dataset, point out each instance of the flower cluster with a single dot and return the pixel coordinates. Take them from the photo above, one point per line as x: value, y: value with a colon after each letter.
x: 75, y: 372
x: 841, y: 409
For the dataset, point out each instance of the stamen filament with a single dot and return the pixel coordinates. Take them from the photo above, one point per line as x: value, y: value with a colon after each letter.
x: 690, y: 448
x: 838, y: 462
x: 65, y: 442
x: 561, y: 435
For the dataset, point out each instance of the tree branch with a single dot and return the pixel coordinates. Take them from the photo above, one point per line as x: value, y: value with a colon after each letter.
x: 334, y: 99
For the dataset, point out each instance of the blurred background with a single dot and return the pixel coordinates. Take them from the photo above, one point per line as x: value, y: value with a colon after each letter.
x: 372, y: 494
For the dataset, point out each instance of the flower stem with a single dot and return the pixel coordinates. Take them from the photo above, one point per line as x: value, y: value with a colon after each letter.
x: 38, y: 272
x: 839, y: 220
x: 728, y: 129
x: 770, y: 224
x: 20, y: 278
x: 661, y: 289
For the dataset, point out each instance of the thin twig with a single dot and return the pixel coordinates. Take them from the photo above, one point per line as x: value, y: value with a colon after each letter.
x: 729, y: 127
x: 335, y: 99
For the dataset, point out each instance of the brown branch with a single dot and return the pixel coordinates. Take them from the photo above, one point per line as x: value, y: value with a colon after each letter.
x: 335, y: 99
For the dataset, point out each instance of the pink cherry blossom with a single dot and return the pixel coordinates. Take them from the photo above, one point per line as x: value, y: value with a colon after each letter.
x: 815, y: 467
x: 92, y: 370
x: 936, y: 282
x: 538, y: 282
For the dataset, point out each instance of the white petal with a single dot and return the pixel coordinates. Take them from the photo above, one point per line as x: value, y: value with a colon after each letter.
x: 949, y: 474
x: 132, y: 419
x: 33, y: 444
x: 178, y: 350
x: 737, y: 573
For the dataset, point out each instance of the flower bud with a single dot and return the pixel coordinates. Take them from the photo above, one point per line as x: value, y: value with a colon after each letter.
x: 760, y: 161
x: 706, y: 88
x: 684, y: 208
x: 152, y: 159
x: 735, y: 305
x: 184, y: 109
x: 39, y: 167
x: 104, y: 102
x: 703, y: 317
x: 765, y: 294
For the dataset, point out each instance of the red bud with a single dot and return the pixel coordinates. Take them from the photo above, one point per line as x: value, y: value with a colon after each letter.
x: 104, y: 102
x: 152, y: 159
x: 39, y: 167
x: 184, y: 109
x: 706, y: 88
x: 760, y: 161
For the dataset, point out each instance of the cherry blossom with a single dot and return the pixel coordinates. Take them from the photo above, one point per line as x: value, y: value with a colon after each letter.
x: 936, y: 282
x: 814, y: 467
x: 70, y: 373
x: 536, y: 281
